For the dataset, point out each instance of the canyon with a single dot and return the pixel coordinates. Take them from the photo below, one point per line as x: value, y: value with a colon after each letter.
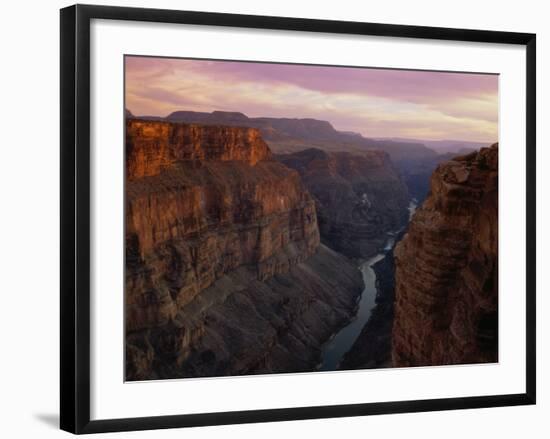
x: 252, y: 244
x: 225, y: 272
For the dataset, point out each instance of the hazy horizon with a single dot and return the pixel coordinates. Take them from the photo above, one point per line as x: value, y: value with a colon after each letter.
x: 377, y: 103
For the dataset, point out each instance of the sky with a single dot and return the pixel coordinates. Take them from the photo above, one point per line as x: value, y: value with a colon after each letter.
x: 374, y: 102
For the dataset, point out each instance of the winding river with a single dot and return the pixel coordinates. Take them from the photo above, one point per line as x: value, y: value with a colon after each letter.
x: 342, y: 341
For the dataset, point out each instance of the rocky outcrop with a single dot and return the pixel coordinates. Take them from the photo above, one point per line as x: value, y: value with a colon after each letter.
x: 225, y: 273
x: 359, y: 197
x: 447, y: 269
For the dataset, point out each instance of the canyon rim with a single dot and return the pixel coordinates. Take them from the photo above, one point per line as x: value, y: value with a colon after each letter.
x: 285, y: 218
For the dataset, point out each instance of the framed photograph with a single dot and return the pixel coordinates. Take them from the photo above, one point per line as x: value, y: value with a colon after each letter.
x: 268, y: 218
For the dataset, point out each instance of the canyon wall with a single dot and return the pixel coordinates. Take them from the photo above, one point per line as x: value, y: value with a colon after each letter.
x: 447, y: 269
x: 225, y: 273
x: 359, y: 197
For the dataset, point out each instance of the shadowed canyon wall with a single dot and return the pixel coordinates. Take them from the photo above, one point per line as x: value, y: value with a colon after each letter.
x: 447, y: 268
x: 359, y: 197
x: 225, y: 273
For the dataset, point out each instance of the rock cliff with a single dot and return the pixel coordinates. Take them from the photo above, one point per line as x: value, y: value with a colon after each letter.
x: 225, y: 273
x: 447, y: 268
x: 150, y: 147
x: 359, y: 197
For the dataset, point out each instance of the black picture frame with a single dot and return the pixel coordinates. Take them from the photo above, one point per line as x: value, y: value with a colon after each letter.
x: 75, y: 217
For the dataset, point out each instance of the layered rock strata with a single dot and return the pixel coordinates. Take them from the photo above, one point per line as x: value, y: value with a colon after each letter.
x: 359, y: 197
x: 225, y: 273
x: 447, y: 269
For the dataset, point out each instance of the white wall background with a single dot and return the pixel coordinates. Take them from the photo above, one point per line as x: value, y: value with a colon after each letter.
x: 29, y: 249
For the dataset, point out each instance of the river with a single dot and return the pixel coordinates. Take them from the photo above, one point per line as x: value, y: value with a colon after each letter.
x: 342, y: 341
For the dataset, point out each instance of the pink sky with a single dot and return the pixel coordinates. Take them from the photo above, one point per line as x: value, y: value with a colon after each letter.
x: 373, y: 102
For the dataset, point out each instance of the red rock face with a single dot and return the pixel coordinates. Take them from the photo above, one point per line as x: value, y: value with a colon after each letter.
x: 210, y: 217
x: 152, y: 146
x: 447, y: 268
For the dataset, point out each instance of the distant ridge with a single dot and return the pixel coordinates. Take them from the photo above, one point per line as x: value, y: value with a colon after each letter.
x: 445, y: 145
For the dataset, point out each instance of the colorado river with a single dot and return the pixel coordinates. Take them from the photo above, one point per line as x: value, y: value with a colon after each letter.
x: 336, y: 347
